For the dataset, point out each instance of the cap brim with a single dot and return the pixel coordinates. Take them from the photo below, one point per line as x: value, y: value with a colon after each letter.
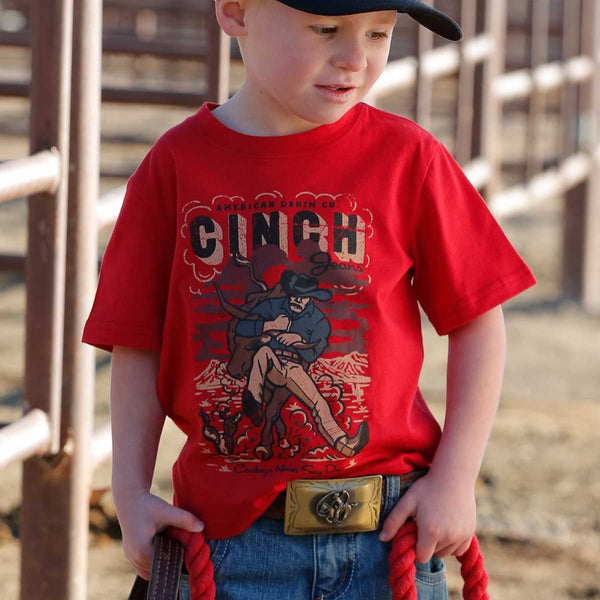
x: 433, y: 19
x: 426, y: 15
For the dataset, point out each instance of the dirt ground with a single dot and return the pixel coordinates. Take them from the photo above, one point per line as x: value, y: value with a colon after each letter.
x: 538, y: 494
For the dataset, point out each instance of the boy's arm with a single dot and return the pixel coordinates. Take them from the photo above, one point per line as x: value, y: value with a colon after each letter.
x: 137, y: 420
x: 443, y: 502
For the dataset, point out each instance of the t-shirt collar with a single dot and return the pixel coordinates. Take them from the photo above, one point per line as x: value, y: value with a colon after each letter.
x: 308, y: 141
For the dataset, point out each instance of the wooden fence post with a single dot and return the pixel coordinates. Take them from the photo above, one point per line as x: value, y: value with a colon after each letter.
x: 218, y: 61
x: 477, y: 125
x: 424, y: 88
x: 540, y: 23
x: 466, y: 87
x: 574, y: 203
x: 591, y: 252
x: 495, y: 19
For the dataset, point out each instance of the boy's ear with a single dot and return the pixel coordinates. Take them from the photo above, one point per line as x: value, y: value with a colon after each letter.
x: 231, y: 16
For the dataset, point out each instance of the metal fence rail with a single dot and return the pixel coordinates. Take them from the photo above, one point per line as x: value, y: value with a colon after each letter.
x: 26, y: 176
x: 26, y: 437
x: 54, y: 438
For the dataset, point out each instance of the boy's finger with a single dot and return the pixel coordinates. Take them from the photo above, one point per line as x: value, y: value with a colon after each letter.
x: 445, y: 550
x: 405, y: 509
x: 142, y: 573
x: 456, y: 548
x: 177, y: 517
x: 462, y: 548
x: 424, y: 547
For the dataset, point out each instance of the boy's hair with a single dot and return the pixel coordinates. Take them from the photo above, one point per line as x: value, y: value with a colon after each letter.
x: 426, y: 15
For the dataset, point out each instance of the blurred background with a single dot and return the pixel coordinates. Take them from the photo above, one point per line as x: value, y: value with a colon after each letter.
x: 518, y: 104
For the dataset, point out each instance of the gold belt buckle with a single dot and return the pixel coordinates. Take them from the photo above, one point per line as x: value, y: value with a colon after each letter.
x: 332, y: 505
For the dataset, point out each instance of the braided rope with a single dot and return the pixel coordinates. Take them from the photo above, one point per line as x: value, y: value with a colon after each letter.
x: 402, y: 563
x: 198, y: 563
x: 402, y: 569
x: 473, y: 573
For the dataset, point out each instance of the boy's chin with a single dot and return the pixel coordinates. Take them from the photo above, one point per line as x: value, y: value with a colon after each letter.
x: 328, y: 117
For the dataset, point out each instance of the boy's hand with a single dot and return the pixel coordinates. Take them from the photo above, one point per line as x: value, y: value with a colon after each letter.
x: 444, y: 511
x: 141, y: 517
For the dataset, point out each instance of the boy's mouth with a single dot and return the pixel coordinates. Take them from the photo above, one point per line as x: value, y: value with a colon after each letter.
x: 337, y: 93
x: 337, y: 88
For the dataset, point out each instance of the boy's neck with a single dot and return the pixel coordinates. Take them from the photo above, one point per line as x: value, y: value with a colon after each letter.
x: 241, y: 114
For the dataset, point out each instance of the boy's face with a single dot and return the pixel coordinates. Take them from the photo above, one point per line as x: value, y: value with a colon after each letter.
x: 305, y: 70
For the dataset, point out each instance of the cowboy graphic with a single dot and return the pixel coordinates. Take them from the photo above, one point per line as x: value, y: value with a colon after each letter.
x: 292, y: 333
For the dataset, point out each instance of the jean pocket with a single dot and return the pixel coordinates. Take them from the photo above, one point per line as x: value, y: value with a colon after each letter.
x: 430, y: 580
x: 218, y: 550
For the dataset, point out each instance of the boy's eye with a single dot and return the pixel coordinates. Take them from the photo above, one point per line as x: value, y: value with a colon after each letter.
x: 324, y: 29
x: 378, y: 35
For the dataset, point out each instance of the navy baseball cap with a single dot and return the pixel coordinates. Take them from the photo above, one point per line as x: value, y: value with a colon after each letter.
x: 426, y: 15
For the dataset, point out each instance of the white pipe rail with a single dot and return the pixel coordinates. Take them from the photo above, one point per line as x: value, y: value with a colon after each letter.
x: 109, y: 205
x: 519, y: 85
x: 29, y: 436
x: 552, y: 182
x: 478, y: 172
x: 397, y: 75
x: 40, y: 172
x: 101, y: 448
x: 441, y: 62
x: 26, y: 437
x: 478, y: 49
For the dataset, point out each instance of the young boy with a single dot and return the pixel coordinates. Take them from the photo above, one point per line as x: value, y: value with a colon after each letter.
x: 261, y: 288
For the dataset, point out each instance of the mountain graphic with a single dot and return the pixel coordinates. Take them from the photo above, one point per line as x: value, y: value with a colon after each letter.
x: 352, y: 368
x: 215, y: 379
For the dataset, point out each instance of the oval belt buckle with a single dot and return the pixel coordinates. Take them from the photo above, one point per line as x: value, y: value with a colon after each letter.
x: 334, y: 507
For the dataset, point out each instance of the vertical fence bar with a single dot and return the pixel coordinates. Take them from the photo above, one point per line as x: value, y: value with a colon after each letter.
x: 540, y: 23
x: 466, y: 82
x: 42, y: 512
x: 495, y: 20
x: 82, y: 256
x: 424, y: 87
x: 575, y: 198
x: 478, y: 85
x: 571, y: 45
x: 591, y: 256
x: 217, y: 60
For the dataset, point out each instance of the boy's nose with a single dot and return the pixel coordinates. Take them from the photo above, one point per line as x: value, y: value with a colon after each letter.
x: 350, y: 56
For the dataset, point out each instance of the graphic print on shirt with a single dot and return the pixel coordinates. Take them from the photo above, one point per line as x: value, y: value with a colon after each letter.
x: 283, y: 356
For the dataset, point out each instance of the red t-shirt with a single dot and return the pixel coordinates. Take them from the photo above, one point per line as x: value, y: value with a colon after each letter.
x: 280, y: 278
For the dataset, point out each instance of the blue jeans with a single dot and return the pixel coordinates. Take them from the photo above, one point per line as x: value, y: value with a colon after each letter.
x: 265, y: 564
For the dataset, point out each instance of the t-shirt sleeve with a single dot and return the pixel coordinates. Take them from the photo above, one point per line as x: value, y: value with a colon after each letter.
x: 130, y: 303
x: 463, y: 263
